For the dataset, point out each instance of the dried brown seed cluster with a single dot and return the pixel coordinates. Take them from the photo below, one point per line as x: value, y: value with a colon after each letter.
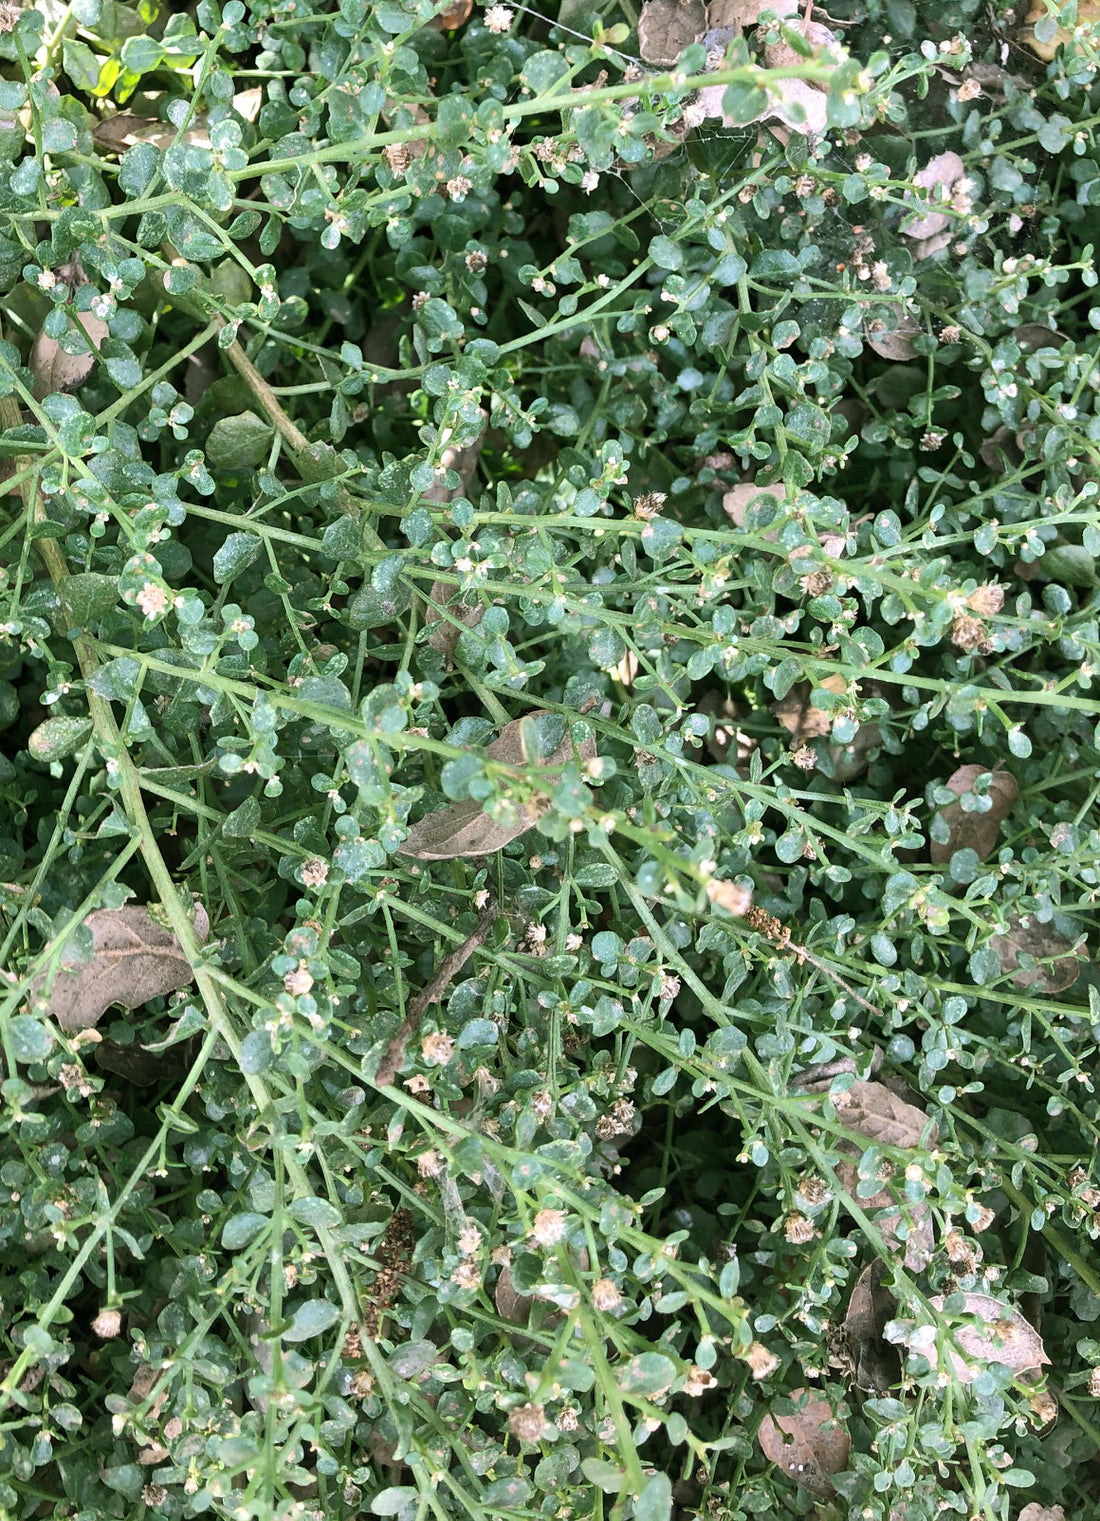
x: 767, y: 924
x: 394, y: 1258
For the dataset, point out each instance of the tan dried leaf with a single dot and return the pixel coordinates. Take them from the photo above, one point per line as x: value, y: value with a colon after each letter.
x: 511, y: 1304
x: 744, y: 13
x: 1088, y: 14
x: 667, y: 27
x: 736, y: 502
x: 808, y: 1446
x: 937, y: 176
x: 1037, y: 1512
x: 875, y: 1111
x: 1027, y: 937
x: 453, y: 17
x: 798, y: 106
x: 1001, y: 1335
x: 54, y: 370
x: 801, y: 720
x: 133, y: 959
x: 446, y: 628
x: 974, y: 831
x: 463, y: 829
x: 892, y: 339
x: 876, y: 1363
x: 781, y: 55
x: 464, y: 462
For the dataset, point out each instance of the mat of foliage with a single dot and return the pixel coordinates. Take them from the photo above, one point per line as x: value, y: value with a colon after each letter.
x: 548, y: 857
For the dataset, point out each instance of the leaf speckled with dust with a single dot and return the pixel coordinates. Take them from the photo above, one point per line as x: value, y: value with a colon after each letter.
x: 133, y: 959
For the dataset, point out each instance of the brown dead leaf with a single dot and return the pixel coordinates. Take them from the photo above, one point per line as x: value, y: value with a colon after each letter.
x: 994, y: 1332
x: 133, y: 959
x: 55, y: 370
x: 974, y: 831
x: 1027, y: 937
x: 876, y: 1363
x: 446, y: 627
x: 737, y: 500
x: 808, y: 1446
x: 1036, y: 335
x: 464, y: 462
x: 937, y: 178
x: 667, y: 27
x: 801, y: 720
x: 1037, y: 1512
x: 892, y: 338
x: 453, y: 17
x: 1088, y: 14
x: 781, y: 55
x: 874, y: 1111
x: 464, y: 829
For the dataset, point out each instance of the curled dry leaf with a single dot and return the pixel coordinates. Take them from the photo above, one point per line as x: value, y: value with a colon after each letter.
x: 464, y: 829
x: 974, y: 831
x: 994, y: 1332
x: 874, y: 1111
x: 937, y: 178
x: 1027, y: 937
x: 808, y: 1446
x: 55, y: 370
x: 667, y: 27
x: 876, y: 1363
x: 133, y: 959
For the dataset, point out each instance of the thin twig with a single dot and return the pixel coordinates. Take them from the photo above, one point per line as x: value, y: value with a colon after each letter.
x: 447, y: 970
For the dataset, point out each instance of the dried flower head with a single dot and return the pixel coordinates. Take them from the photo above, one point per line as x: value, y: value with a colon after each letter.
x: 731, y: 896
x: 605, y: 1295
x: 437, y: 1048
x: 968, y: 633
x: 548, y: 1227
x: 107, y: 1324
x: 527, y: 1423
x: 816, y: 583
x: 649, y: 504
x: 798, y: 1228
x: 804, y: 757
x: 498, y: 19
x: 314, y: 872
x: 9, y: 15
x: 987, y: 600
x: 761, y: 1361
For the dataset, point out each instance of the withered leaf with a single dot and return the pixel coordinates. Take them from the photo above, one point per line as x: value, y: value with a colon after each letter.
x: 55, y: 370
x: 133, y: 959
x: 808, y: 1446
x: 892, y: 338
x: 736, y: 500
x: 446, y: 627
x: 876, y: 1362
x: 995, y: 1332
x: 974, y: 831
x: 781, y: 55
x: 1037, y: 1512
x: 799, y: 717
x: 937, y: 177
x: 874, y: 1111
x: 667, y: 27
x: 464, y: 829
x: 1027, y: 937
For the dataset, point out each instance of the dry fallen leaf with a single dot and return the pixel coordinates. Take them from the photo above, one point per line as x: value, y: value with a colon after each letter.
x: 1037, y: 1512
x: 876, y: 1363
x: 1001, y: 1335
x: 781, y: 55
x: 1027, y: 937
x: 453, y: 17
x: 937, y: 178
x: 874, y: 1111
x: 133, y: 959
x: 892, y: 339
x: 1088, y: 14
x: 801, y: 720
x: 808, y: 1446
x: 974, y: 831
x: 667, y: 27
x: 736, y: 502
x: 464, y: 829
x: 55, y: 370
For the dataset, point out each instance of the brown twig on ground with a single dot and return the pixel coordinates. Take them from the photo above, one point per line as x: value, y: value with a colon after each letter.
x: 446, y: 971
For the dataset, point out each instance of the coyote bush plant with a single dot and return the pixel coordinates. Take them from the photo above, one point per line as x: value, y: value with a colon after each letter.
x: 678, y: 485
